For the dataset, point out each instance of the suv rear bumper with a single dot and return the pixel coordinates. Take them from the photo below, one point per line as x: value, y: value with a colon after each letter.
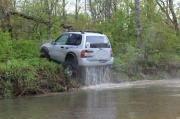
x: 86, y: 63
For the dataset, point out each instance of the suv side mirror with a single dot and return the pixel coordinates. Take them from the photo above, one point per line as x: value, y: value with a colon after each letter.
x: 53, y: 42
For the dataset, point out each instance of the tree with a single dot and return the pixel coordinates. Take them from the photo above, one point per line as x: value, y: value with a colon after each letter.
x: 168, y: 9
x: 101, y: 9
x: 115, y: 5
x: 76, y: 16
x: 138, y: 22
x: 5, y: 15
x: 92, y: 11
x: 64, y: 12
x: 14, y: 18
x: 108, y: 10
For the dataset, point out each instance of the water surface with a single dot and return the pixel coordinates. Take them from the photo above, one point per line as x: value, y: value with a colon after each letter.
x: 136, y: 100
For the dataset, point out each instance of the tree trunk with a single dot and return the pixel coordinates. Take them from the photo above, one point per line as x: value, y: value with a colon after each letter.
x: 108, y: 10
x: 138, y: 22
x: 170, y: 17
x: 174, y: 18
x: 48, y: 12
x: 92, y: 11
x: 5, y: 15
x: 64, y: 14
x: 76, y: 17
x: 85, y: 6
x: 115, y: 5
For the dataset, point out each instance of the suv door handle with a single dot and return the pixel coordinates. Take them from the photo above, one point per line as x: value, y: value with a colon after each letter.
x: 62, y: 47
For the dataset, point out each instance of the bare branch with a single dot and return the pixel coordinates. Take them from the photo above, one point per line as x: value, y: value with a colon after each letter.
x: 30, y: 18
x: 174, y: 16
x: 164, y: 10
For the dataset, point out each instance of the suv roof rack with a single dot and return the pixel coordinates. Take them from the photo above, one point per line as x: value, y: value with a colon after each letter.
x: 94, y: 32
x: 82, y: 32
x: 76, y: 31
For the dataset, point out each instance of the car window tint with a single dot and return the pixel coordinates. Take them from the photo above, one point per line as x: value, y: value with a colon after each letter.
x: 62, y: 40
x: 98, y: 41
x: 74, y: 39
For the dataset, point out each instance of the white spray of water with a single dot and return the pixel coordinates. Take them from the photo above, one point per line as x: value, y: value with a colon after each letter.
x: 137, y: 84
x: 97, y: 76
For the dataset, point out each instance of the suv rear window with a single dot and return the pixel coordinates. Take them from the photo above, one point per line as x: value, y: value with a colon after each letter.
x: 98, y: 41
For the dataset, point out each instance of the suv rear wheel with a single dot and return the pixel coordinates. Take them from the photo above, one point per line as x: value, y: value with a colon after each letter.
x: 71, y: 67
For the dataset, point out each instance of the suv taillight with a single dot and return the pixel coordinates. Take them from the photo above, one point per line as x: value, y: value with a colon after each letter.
x: 111, y: 53
x: 86, y: 53
x: 83, y: 53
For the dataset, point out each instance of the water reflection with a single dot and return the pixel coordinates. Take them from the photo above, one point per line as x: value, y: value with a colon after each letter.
x: 157, y: 101
x: 73, y: 105
x: 149, y: 103
x: 100, y: 105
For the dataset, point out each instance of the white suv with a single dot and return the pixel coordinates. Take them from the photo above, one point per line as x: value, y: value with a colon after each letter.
x: 76, y: 49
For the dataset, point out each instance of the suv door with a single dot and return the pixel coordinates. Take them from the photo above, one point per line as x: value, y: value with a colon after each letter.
x: 57, y: 50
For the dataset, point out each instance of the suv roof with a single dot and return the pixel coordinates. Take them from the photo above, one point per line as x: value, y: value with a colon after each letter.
x: 83, y: 32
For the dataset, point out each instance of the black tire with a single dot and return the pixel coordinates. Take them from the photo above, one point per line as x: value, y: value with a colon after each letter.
x: 71, y: 67
x: 45, y: 54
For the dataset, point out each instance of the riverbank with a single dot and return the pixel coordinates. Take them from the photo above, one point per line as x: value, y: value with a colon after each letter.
x: 150, y: 71
x: 37, y: 76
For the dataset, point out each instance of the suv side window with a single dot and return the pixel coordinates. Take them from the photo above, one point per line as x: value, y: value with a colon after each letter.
x: 62, y: 39
x: 74, y: 39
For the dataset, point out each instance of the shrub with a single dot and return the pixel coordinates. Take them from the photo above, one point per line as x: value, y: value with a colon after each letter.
x: 5, y: 47
x: 32, y: 76
x: 25, y: 49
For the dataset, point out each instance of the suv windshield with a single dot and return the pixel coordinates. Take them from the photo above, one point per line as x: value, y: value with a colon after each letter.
x: 97, y: 42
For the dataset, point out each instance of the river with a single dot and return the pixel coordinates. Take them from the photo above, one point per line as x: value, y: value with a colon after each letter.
x: 130, y: 100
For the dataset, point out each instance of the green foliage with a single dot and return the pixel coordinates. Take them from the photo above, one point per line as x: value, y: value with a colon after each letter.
x: 22, y: 77
x: 5, y: 47
x: 25, y: 49
x: 159, y: 44
x: 120, y: 31
x: 17, y: 49
x: 128, y: 62
x: 18, y: 74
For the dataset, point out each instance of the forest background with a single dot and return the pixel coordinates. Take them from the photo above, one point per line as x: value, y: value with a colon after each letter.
x: 144, y: 35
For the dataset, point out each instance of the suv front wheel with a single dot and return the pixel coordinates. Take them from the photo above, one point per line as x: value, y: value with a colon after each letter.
x: 45, y: 54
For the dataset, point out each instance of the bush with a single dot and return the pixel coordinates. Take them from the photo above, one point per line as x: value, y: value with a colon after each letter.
x: 5, y: 47
x: 24, y: 77
x: 127, y: 63
x: 25, y: 49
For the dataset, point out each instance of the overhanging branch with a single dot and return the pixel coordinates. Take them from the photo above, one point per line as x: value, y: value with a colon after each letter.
x: 31, y: 18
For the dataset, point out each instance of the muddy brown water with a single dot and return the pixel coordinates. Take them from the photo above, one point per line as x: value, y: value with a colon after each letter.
x: 130, y: 100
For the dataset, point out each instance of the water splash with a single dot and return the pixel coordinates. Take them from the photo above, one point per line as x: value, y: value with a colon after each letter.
x: 97, y: 76
x: 174, y: 83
